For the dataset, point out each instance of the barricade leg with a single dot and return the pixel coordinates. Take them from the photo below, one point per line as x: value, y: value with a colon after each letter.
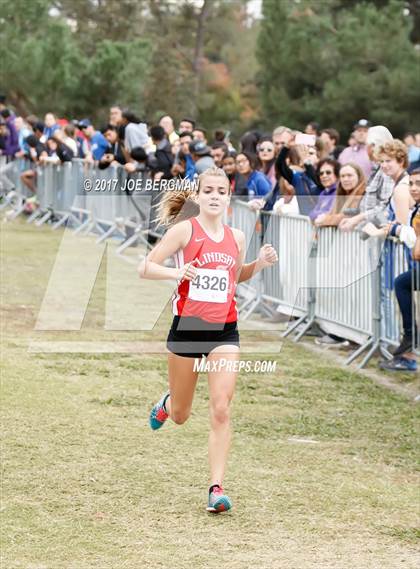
x: 373, y: 344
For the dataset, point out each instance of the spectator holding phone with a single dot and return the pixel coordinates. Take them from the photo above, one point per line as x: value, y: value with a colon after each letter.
x: 295, y: 166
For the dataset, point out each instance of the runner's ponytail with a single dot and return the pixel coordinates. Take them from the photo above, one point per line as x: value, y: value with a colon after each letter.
x: 176, y: 206
x: 179, y: 205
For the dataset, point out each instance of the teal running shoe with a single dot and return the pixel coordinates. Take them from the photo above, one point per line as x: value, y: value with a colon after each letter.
x: 218, y: 501
x: 158, y: 414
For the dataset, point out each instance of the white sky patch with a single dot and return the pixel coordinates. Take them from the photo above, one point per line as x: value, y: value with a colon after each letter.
x: 255, y: 8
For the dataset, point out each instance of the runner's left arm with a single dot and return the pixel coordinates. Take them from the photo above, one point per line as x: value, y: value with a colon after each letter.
x: 266, y: 258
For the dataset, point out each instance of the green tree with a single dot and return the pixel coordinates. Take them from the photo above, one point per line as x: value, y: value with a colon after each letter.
x: 203, y: 67
x: 46, y: 69
x: 322, y: 61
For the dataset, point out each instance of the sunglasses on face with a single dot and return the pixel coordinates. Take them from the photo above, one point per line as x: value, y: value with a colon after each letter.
x: 266, y: 149
x: 326, y: 173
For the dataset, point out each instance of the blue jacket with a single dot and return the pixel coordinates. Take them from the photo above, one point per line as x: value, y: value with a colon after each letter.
x: 189, y: 167
x: 258, y: 184
x: 98, y: 145
x: 50, y: 130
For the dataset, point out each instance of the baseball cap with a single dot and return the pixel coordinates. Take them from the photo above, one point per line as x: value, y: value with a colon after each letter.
x: 84, y: 123
x: 199, y: 147
x: 39, y: 126
x: 362, y: 123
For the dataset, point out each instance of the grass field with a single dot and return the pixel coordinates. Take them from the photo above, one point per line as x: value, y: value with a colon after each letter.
x: 322, y: 471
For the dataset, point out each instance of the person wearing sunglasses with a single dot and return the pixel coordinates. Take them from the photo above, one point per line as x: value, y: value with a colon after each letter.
x: 328, y: 172
x: 266, y: 159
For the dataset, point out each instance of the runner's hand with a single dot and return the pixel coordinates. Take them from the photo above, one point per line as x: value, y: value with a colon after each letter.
x: 187, y: 273
x: 268, y: 255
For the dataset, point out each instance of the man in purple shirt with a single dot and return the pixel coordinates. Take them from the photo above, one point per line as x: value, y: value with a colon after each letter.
x: 357, y: 154
x: 11, y: 142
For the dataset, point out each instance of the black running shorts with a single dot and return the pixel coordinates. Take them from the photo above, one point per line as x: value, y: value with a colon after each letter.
x: 193, y: 337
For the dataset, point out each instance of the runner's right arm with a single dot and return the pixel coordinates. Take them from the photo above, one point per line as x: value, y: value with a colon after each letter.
x: 174, y: 239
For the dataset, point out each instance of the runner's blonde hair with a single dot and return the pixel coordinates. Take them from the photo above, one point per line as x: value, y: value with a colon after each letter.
x: 178, y: 205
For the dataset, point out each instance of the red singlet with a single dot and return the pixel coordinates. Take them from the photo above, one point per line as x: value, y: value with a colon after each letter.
x: 211, y: 296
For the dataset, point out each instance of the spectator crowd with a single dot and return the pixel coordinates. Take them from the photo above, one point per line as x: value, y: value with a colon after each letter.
x: 370, y: 184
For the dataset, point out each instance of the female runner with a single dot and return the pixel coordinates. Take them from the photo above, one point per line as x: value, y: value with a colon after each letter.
x: 209, y: 257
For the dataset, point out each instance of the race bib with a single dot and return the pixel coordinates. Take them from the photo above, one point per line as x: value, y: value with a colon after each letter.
x: 210, y: 285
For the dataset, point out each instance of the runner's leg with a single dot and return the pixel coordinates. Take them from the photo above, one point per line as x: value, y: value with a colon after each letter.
x: 182, y: 383
x: 221, y: 390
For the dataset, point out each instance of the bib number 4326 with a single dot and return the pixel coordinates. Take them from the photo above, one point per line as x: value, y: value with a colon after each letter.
x: 210, y: 285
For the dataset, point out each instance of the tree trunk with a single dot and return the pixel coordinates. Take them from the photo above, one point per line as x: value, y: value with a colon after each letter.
x: 198, y: 52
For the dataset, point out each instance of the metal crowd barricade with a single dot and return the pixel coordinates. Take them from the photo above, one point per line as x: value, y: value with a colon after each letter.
x: 67, y: 189
x: 14, y: 192
x: 272, y: 286
x: 70, y: 200
x: 97, y: 199
x: 140, y: 213
x: 246, y: 219
x: 344, y: 284
x: 288, y: 284
x: 48, y: 179
x: 97, y: 203
x: 344, y: 292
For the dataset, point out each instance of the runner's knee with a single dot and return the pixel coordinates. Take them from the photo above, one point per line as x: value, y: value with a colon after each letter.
x: 220, y: 411
x: 179, y: 416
